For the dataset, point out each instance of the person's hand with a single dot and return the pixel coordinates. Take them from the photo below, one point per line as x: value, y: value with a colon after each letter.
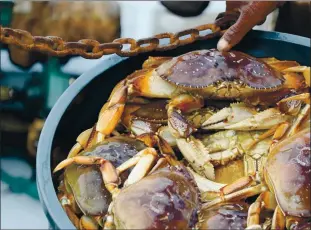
x: 247, y: 15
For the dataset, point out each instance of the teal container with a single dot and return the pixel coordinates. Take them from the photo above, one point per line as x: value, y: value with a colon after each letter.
x: 6, y: 11
x: 77, y: 109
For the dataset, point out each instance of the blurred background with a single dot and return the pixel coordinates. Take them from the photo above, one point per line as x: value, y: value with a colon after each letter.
x: 32, y: 82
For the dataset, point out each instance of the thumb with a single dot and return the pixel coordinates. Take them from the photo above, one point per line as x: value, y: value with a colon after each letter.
x: 251, y: 15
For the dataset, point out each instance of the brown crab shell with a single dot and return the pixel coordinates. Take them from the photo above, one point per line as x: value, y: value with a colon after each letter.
x: 221, y: 74
x: 165, y: 199
x: 230, y: 215
x: 288, y: 174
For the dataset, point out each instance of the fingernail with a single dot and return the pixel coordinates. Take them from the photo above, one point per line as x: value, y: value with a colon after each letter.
x: 223, y: 45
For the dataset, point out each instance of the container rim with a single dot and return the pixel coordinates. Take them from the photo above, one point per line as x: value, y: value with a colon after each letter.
x: 45, y: 185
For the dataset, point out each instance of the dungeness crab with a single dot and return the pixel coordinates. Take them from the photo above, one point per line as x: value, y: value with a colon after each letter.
x: 164, y: 105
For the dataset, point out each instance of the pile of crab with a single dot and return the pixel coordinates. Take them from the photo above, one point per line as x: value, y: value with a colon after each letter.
x: 205, y: 140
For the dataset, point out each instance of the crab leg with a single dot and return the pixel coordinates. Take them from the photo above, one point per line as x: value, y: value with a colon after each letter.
x: 254, y: 214
x: 142, y: 167
x: 82, y: 141
x: 229, y: 115
x: 266, y: 119
x: 109, y: 118
x: 305, y: 97
x: 261, y: 121
x: 161, y: 163
x: 87, y: 222
x: 206, y: 185
x: 278, y: 219
x: 154, y: 140
x: 264, y: 200
x: 277, y: 132
x: 240, y: 189
x: 238, y: 185
x: 302, y: 114
x: 141, y: 83
x: 280, y: 130
x: 195, y: 153
x: 164, y: 132
x: 305, y: 112
x: 85, y: 160
x: 73, y: 218
x: 134, y: 160
x: 238, y: 195
x: 65, y: 202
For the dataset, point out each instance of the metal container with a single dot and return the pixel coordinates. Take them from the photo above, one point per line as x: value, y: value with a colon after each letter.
x: 77, y: 109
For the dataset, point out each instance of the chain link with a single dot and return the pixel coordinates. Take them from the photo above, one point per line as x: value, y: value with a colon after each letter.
x: 92, y: 49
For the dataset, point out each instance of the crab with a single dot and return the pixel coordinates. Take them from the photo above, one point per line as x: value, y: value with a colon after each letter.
x: 160, y: 191
x: 230, y: 215
x: 82, y: 189
x: 245, y: 132
x: 285, y: 186
x: 187, y: 80
x: 142, y: 119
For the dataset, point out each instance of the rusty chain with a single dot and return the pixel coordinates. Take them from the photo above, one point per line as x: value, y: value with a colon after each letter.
x: 92, y: 49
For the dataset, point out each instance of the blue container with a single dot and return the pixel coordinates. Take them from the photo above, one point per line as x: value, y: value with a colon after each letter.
x: 77, y: 109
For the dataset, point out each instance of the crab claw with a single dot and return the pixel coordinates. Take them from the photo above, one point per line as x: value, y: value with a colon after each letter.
x: 305, y: 97
x: 85, y: 160
x: 228, y: 116
x: 204, y: 184
x: 261, y: 121
x: 179, y: 125
x: 195, y: 153
x: 300, y: 69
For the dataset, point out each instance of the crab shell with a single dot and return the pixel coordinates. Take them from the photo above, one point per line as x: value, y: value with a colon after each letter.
x: 165, y: 199
x: 288, y: 174
x: 224, y: 75
x: 230, y: 215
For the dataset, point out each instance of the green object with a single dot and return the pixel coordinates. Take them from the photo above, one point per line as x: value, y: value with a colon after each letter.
x: 20, y: 185
x: 55, y: 82
x: 6, y: 10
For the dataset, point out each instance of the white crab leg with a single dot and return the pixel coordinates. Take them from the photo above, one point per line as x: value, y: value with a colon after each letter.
x: 305, y: 111
x: 261, y: 121
x: 166, y: 134
x: 228, y: 116
x: 195, y: 153
x: 205, y: 185
x: 143, y: 166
